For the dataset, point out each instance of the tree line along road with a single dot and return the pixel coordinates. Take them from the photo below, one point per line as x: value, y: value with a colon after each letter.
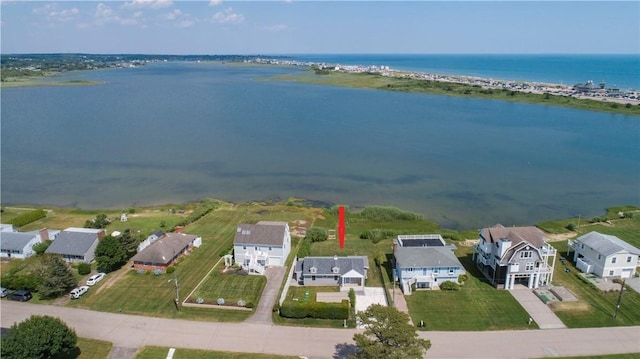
x: 131, y: 331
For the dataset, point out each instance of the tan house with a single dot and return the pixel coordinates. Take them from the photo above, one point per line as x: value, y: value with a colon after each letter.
x: 165, y: 251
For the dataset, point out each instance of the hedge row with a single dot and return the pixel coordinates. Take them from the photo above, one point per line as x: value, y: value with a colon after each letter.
x: 28, y: 217
x: 318, y: 310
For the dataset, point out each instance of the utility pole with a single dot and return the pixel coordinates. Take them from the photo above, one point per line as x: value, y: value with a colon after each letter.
x: 619, y: 299
x: 177, y: 300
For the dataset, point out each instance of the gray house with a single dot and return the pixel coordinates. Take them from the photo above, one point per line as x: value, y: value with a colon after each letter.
x: 346, y: 272
x: 257, y: 246
x: 77, y: 244
x: 17, y: 245
x: 515, y: 255
x: 605, y: 255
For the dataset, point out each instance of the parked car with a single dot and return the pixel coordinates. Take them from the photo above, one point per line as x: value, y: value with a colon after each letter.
x: 3, y: 292
x: 78, y: 292
x: 21, y: 295
x: 95, y: 278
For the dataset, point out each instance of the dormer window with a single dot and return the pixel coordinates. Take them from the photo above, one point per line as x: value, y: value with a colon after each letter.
x: 313, y: 270
x: 526, y: 254
x: 335, y: 270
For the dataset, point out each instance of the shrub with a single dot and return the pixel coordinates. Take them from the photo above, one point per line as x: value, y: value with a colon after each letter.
x: 316, y: 234
x: 449, y: 285
x: 249, y: 305
x: 318, y: 310
x: 305, y: 248
x: 462, y: 278
x: 571, y: 227
x: 157, y: 272
x: 28, y: 217
x: 220, y: 301
x: 241, y: 303
x: 380, y: 213
x: 352, y: 298
x: 40, y: 248
x: 39, y: 337
x: 171, y: 269
x: 84, y: 268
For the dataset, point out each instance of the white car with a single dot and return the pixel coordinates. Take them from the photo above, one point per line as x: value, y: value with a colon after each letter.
x: 95, y: 278
x: 78, y: 292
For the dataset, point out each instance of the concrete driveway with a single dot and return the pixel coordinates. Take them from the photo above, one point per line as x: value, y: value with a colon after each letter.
x: 131, y: 331
x: 269, y: 294
x: 539, y: 312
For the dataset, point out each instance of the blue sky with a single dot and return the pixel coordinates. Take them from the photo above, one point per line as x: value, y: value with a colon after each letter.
x: 290, y: 27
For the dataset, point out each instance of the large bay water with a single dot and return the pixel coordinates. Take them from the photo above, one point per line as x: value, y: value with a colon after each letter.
x: 174, y: 132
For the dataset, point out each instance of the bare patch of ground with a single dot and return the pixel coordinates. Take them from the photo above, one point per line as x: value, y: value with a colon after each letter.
x: 112, y: 278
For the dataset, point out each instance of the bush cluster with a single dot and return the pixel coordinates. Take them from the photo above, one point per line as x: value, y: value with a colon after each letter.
x: 316, y: 234
x: 84, y: 268
x: 318, y: 310
x: 376, y: 235
x: 380, y: 213
x: 171, y: 269
x: 28, y: 217
x: 449, y: 285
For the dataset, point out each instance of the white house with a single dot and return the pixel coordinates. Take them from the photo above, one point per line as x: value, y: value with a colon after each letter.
x: 20, y: 244
x: 346, y: 272
x: 605, y: 255
x: 424, y: 262
x: 515, y: 255
x: 257, y: 246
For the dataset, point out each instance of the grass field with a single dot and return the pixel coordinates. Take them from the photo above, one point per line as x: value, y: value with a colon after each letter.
x: 374, y: 81
x: 180, y: 353
x: 476, y: 306
x: 231, y: 287
x: 93, y: 349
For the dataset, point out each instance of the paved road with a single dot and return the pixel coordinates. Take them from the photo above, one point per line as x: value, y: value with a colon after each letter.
x: 130, y: 331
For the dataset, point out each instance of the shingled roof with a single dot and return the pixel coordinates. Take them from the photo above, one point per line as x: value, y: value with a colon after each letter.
x: 420, y: 257
x: 606, y: 244
x: 165, y: 248
x: 15, y: 241
x: 530, y: 234
x: 72, y: 243
x: 263, y: 233
x: 325, y: 265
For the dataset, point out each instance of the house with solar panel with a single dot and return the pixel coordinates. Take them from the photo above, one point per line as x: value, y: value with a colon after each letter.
x: 424, y: 262
x: 605, y: 255
x: 258, y: 246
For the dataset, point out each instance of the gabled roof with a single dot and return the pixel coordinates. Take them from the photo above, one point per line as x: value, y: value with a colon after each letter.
x: 530, y: 234
x: 15, y: 240
x: 606, y: 244
x: 72, y: 243
x: 165, y: 248
x: 325, y: 265
x: 421, y: 257
x: 263, y: 233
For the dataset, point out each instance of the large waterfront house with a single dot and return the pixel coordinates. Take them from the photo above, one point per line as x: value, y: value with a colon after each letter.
x: 605, y: 255
x: 515, y: 255
x: 257, y: 246
x: 345, y: 272
x: 76, y: 244
x: 165, y: 251
x: 424, y: 262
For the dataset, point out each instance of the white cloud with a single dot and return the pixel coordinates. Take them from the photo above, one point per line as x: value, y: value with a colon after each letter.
x: 227, y: 17
x: 278, y: 27
x: 186, y: 23
x: 173, y: 14
x: 153, y: 4
x: 105, y: 15
x: 215, y: 2
x: 54, y: 15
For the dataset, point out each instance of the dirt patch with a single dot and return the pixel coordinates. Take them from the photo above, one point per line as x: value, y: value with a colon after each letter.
x: 112, y: 278
x: 320, y: 217
x: 578, y: 306
x: 560, y: 236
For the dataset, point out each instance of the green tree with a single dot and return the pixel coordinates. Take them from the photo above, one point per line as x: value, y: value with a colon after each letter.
x: 57, y: 278
x: 110, y: 255
x: 101, y: 221
x: 38, y: 337
x: 129, y: 241
x: 41, y: 247
x: 388, y: 335
x: 316, y: 234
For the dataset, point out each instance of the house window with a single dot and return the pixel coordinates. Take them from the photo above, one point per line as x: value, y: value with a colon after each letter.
x: 582, y: 246
x: 526, y: 254
x: 244, y: 247
x: 529, y: 267
x: 436, y: 270
x: 335, y: 277
x: 269, y: 248
x: 255, y: 248
x: 451, y: 270
x: 629, y: 259
x: 313, y: 277
x: 610, y: 272
x: 613, y: 260
x: 599, y: 257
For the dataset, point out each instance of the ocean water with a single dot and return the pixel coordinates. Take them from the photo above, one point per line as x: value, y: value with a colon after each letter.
x: 174, y: 132
x: 622, y: 71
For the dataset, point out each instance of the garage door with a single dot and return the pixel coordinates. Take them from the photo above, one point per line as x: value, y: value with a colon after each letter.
x: 274, y: 261
x: 626, y: 273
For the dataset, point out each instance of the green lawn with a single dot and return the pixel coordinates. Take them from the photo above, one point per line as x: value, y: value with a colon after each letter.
x: 148, y: 294
x: 93, y: 348
x: 180, y: 353
x: 476, y: 306
x: 231, y: 287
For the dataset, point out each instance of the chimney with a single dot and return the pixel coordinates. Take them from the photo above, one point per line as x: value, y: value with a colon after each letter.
x: 44, y: 235
x: 179, y: 229
x: 101, y: 234
x: 395, y: 246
